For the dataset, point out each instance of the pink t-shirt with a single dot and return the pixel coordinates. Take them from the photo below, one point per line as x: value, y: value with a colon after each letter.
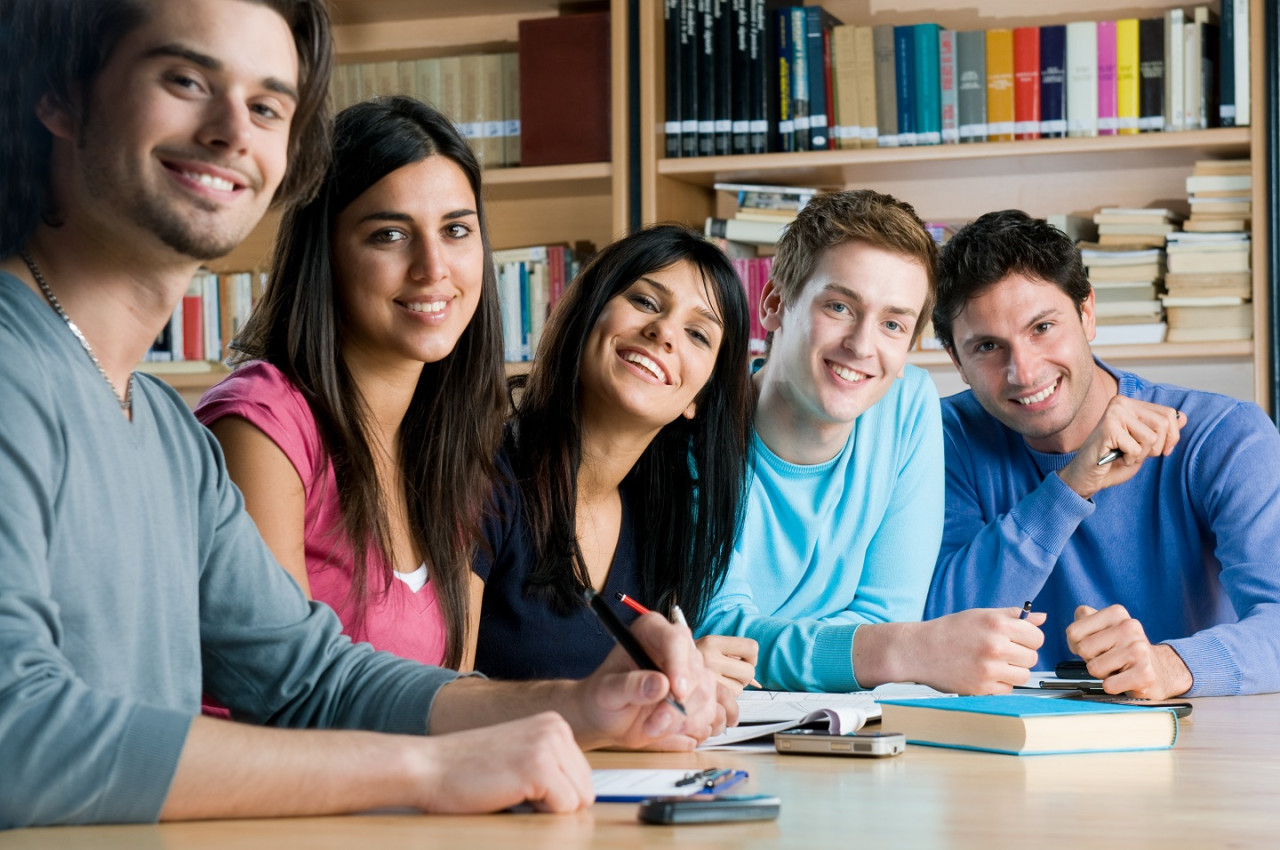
x: 400, y: 621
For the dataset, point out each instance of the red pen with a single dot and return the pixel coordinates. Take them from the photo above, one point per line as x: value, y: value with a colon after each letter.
x: 630, y: 603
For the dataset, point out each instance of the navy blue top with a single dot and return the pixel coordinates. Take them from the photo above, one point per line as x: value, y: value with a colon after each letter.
x: 521, y: 635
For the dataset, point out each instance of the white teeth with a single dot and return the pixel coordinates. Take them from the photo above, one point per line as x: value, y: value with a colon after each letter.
x: 1038, y: 397
x: 210, y: 181
x: 427, y: 307
x: 645, y: 363
x: 847, y: 374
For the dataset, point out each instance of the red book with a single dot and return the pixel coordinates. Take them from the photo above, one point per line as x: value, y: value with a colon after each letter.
x: 192, y: 327
x: 1026, y: 83
x: 564, y: 89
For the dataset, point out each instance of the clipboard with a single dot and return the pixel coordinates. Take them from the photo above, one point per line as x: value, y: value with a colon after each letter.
x: 634, y: 786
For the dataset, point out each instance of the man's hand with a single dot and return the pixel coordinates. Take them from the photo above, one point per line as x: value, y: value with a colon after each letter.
x: 534, y: 760
x: 1116, y: 650
x: 979, y: 651
x: 1139, y: 429
x: 620, y: 706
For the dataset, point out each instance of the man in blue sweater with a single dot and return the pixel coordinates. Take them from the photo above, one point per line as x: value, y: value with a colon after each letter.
x: 1143, y: 518
x: 140, y: 137
x: 844, y: 511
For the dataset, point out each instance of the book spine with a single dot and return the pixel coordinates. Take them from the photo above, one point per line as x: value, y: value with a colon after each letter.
x: 737, y: 230
x: 1026, y: 83
x: 947, y: 87
x: 192, y: 327
x: 1174, y: 45
x: 708, y: 73
x: 492, y: 110
x: 671, y: 85
x: 1244, y: 94
x: 1107, y: 120
x: 689, y: 78
x: 211, y: 313
x: 722, y: 57
x: 844, y: 60
x: 786, y: 100
x: 864, y: 42
x: 800, y: 77
x: 762, y: 98
x: 886, y: 87
x: 927, y: 79
x: 1193, y: 105
x: 1053, y: 81
x: 971, y: 85
x: 1227, y: 66
x: 740, y: 79
x: 999, y: 85
x: 1151, y: 72
x: 904, y: 79
x: 817, y: 30
x: 1082, y: 78
x: 1127, y: 100
x: 1210, y: 70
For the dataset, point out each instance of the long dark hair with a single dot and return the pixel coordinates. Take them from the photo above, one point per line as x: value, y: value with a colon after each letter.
x: 453, y: 426
x: 57, y: 48
x: 686, y: 490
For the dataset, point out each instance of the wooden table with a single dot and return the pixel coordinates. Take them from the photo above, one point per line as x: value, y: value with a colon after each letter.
x: 1219, y: 787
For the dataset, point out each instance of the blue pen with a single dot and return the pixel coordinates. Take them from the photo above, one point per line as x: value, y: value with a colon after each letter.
x: 1026, y: 609
x: 722, y: 779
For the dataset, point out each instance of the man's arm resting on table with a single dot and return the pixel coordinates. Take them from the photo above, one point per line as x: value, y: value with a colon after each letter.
x: 234, y: 770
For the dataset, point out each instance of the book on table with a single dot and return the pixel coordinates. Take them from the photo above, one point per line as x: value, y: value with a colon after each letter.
x: 1028, y: 725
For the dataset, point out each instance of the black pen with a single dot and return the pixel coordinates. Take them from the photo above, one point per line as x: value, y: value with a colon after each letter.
x: 1113, y: 455
x: 1026, y: 609
x: 624, y: 638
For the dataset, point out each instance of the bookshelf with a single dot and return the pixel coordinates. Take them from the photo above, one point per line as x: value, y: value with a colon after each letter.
x: 525, y: 206
x: 1042, y: 176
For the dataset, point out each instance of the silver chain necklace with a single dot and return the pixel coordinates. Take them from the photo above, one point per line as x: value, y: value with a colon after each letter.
x: 126, y: 400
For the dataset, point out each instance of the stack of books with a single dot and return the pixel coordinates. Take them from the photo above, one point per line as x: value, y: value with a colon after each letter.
x: 1209, y: 287
x: 206, y: 321
x: 1126, y: 284
x: 1139, y: 228
x: 1219, y: 192
x: 759, y: 213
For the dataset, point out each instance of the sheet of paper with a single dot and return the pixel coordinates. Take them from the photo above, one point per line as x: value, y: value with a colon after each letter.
x: 839, y: 721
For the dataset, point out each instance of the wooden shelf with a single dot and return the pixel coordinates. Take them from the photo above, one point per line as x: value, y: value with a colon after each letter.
x: 837, y: 167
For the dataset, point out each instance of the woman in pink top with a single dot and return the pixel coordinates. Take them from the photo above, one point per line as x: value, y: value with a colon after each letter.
x: 362, y: 423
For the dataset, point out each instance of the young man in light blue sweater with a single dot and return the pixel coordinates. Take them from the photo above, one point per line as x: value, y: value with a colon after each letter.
x: 844, y: 511
x: 1157, y: 565
x: 140, y: 138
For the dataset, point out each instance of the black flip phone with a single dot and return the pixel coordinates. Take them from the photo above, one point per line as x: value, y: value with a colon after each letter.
x: 709, y: 808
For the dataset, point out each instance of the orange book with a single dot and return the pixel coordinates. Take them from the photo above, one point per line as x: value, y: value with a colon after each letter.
x: 1026, y: 83
x: 1000, y: 115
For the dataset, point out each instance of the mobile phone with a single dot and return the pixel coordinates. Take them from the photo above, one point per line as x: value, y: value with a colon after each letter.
x: 1073, y: 668
x: 709, y: 808
x: 818, y: 742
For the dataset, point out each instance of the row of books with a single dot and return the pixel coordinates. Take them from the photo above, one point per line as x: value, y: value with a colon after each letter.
x: 547, y: 103
x: 530, y: 282
x: 210, y: 314
x: 745, y: 76
x: 479, y: 92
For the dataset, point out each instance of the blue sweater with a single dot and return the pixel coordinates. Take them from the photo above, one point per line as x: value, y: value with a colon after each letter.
x: 131, y: 579
x: 830, y: 546
x: 1189, y: 545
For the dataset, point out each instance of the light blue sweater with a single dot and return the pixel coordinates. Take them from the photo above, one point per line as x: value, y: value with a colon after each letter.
x: 131, y: 580
x: 1190, y: 545
x: 828, y: 547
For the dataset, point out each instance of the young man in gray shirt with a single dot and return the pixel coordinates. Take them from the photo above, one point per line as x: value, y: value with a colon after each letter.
x: 141, y: 137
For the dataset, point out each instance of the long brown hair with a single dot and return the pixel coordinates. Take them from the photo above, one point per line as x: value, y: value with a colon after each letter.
x: 453, y: 426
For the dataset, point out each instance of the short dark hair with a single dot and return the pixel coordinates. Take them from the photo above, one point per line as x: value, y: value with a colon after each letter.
x: 862, y: 215
x: 990, y: 248
x: 453, y: 427
x: 686, y: 490
x: 57, y: 48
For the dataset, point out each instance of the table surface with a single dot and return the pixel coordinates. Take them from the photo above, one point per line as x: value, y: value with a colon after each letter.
x: 1219, y: 787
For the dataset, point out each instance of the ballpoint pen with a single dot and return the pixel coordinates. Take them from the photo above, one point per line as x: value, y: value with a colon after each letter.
x: 625, y: 639
x: 1113, y: 455
x: 1026, y: 609
x: 677, y: 616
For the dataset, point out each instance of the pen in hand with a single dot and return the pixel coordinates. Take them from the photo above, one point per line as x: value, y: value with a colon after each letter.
x: 1113, y: 455
x: 625, y: 639
x: 677, y: 616
x: 1026, y: 609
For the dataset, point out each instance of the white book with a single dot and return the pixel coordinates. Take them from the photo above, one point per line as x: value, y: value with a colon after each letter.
x: 212, y: 316
x: 1192, y: 61
x: 1082, y: 78
x: 1243, y: 85
x: 1174, y: 45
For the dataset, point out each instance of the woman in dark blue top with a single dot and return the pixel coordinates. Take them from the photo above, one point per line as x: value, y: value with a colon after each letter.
x: 626, y: 459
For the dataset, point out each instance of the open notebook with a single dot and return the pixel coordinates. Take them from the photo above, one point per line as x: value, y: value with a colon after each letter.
x: 761, y: 713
